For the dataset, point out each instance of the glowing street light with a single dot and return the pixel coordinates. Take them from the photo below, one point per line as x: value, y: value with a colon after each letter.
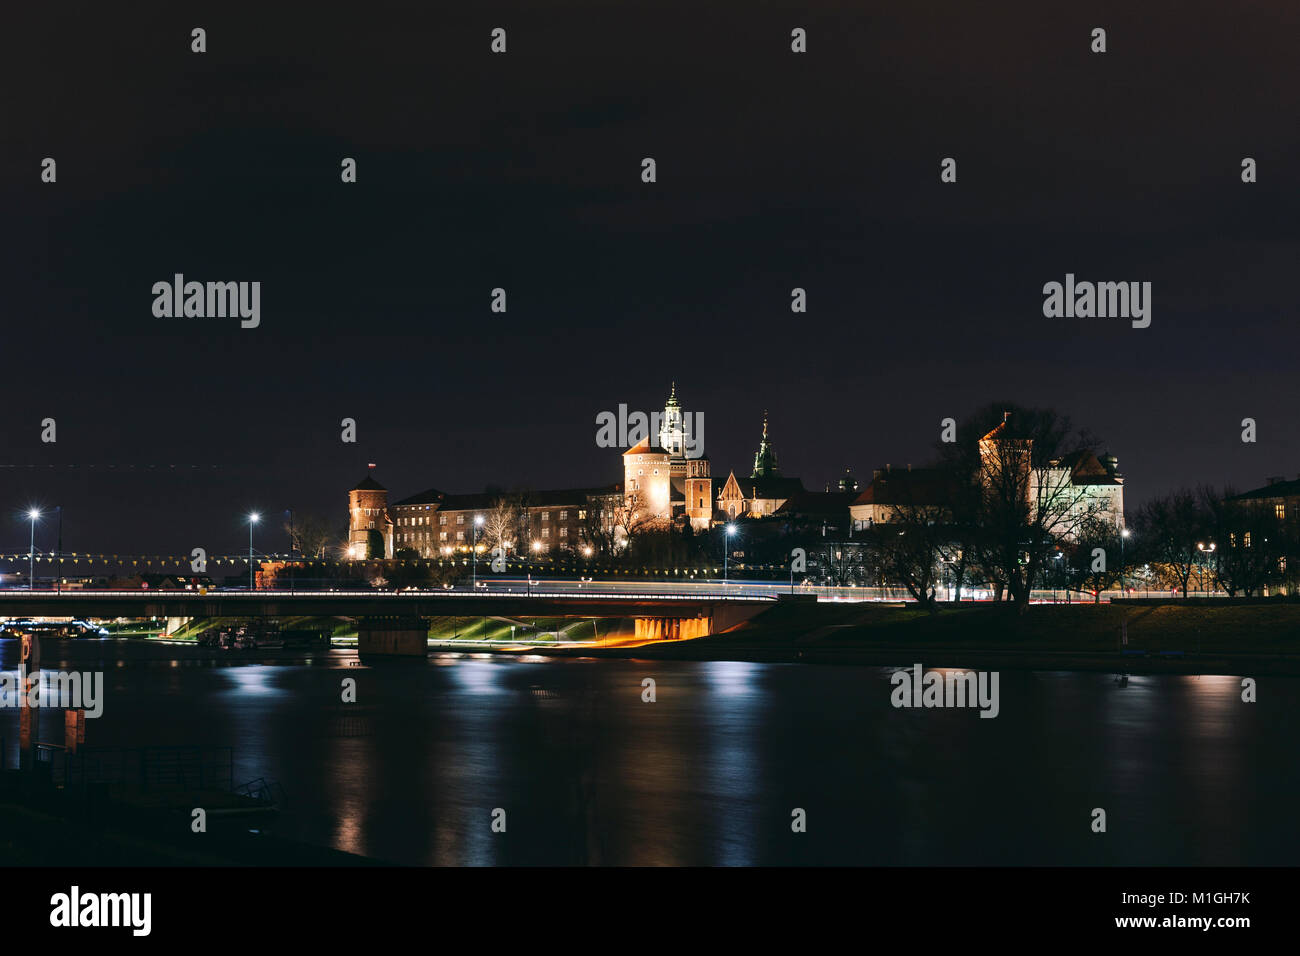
x: 1123, y: 536
x: 726, y: 549
x: 31, y: 554
x: 478, y: 523
x: 1207, y: 555
x: 253, y: 519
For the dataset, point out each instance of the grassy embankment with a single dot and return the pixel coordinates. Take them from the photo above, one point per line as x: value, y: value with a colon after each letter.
x: 1174, y: 636
x: 530, y: 629
x: 1271, y: 628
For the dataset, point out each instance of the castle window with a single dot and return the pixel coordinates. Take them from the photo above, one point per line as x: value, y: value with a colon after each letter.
x: 1280, y: 511
x: 460, y: 519
x: 564, y: 516
x: 442, y: 519
x: 582, y: 515
x: 546, y: 532
x: 564, y: 532
x: 460, y: 535
x: 442, y: 536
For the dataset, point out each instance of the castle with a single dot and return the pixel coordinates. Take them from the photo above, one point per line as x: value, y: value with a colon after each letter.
x: 664, y: 483
x: 667, y: 482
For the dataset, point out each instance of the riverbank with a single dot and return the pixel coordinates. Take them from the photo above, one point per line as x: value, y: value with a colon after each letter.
x: 1168, y: 638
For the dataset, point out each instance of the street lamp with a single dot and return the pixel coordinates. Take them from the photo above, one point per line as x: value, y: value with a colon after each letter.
x: 31, y: 554
x: 726, y: 549
x: 1123, y: 536
x: 253, y: 519
x: 478, y: 521
x: 1207, y: 554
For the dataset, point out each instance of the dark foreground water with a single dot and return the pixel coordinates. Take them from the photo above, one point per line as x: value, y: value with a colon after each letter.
x: 710, y: 773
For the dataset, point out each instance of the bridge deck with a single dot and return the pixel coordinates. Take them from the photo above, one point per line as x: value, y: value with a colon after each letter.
x: 428, y: 604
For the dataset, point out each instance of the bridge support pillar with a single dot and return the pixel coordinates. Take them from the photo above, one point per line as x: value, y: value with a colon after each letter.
x: 673, y: 628
x: 387, y: 637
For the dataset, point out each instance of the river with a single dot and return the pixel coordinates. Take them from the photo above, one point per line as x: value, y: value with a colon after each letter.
x: 712, y: 771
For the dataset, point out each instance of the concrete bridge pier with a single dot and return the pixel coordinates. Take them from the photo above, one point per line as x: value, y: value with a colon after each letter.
x: 392, y: 637
x: 672, y: 628
x: 718, y: 617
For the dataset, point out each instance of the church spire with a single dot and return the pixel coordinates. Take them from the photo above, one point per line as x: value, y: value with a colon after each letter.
x: 765, y: 461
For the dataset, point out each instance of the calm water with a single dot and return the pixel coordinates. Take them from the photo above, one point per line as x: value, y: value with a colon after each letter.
x: 710, y: 772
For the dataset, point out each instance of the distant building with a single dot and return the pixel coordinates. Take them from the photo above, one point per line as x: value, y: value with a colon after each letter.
x: 818, y: 512
x: 1066, y: 489
x: 902, y: 493
x: 1088, y: 485
x: 434, y: 523
x: 764, y: 491
x: 1278, y: 495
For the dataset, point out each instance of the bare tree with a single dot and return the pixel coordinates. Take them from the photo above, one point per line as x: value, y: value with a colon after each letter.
x: 1173, y: 531
x: 912, y: 546
x: 631, y: 516
x: 1251, y: 543
x: 1098, y: 556
x: 499, y: 524
x: 600, y: 526
x: 311, y: 535
x: 1019, y: 464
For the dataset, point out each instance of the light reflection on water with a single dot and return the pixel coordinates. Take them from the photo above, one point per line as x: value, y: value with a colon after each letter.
x: 710, y: 772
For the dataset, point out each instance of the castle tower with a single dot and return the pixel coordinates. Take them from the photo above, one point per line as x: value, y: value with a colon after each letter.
x: 368, y: 517
x: 664, y: 482
x: 672, y: 438
x: 699, y: 493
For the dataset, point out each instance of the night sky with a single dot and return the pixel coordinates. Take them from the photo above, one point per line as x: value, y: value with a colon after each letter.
x: 522, y: 170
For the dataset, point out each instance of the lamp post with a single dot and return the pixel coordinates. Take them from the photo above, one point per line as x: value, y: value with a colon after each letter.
x: 293, y: 548
x: 253, y: 518
x: 478, y: 521
x: 31, y: 554
x: 1123, y: 536
x: 1207, y: 554
x: 726, y: 549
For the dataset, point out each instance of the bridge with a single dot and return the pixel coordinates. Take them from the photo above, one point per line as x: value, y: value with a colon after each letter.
x: 394, y: 622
